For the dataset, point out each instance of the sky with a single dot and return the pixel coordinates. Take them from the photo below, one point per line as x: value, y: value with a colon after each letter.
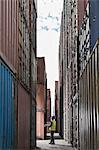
x: 48, y: 32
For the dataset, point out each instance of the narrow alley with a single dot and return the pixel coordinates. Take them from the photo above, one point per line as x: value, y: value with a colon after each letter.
x: 49, y: 74
x: 59, y: 145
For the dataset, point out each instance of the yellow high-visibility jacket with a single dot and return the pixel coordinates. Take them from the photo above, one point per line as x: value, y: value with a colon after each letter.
x: 53, y: 126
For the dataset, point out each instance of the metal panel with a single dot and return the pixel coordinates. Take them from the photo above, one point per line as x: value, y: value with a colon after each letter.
x: 97, y: 93
x: 88, y: 96
x: 23, y: 44
x: 7, y: 110
x: 8, y: 32
x: 82, y: 4
x: 23, y: 118
x: 40, y: 100
x: 94, y: 22
x: 33, y: 74
x: 84, y: 41
x: 33, y: 125
x: 41, y: 70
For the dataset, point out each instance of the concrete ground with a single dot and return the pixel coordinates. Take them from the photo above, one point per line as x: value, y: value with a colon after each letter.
x: 59, y: 145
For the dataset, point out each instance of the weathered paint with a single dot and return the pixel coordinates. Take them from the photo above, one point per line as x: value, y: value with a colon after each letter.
x: 57, y: 105
x: 89, y: 103
x: 23, y: 44
x: 84, y: 41
x: 7, y: 110
x: 82, y: 4
x: 40, y: 99
x: 8, y: 32
x: 41, y: 96
x: 23, y: 118
x: 33, y: 124
x: 94, y: 21
x: 48, y: 104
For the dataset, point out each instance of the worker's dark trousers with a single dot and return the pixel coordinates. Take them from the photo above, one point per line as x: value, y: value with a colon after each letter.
x: 52, y: 136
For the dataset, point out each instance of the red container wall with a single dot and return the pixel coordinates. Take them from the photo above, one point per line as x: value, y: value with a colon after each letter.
x: 8, y: 31
x: 40, y: 70
x: 82, y: 4
x: 23, y: 118
x: 40, y: 125
x: 40, y: 99
x: 48, y: 104
x: 41, y: 96
x: 23, y: 43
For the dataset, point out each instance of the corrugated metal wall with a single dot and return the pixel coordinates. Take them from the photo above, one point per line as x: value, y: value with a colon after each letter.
x: 23, y: 118
x: 16, y: 52
x: 82, y: 4
x: 7, y: 108
x: 23, y: 49
x: 89, y: 105
x: 8, y: 31
x: 41, y: 98
x: 33, y: 124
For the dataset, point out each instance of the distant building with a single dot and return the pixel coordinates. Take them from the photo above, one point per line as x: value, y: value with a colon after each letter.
x: 41, y: 97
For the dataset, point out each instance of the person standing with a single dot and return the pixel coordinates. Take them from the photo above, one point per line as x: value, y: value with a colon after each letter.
x: 52, y: 129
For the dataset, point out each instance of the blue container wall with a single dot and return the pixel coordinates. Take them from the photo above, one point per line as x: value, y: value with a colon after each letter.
x: 7, y: 118
x: 94, y: 21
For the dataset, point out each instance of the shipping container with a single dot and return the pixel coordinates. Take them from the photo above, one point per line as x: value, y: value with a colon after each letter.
x: 84, y: 41
x: 33, y: 74
x: 8, y: 32
x: 48, y: 105
x: 82, y: 4
x: 7, y: 108
x: 94, y: 21
x: 33, y: 124
x: 88, y: 103
x: 56, y: 105
x: 23, y: 44
x: 41, y: 98
x: 23, y: 118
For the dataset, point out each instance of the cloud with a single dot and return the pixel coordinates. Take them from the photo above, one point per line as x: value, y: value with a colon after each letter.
x: 55, y: 29
x: 45, y: 28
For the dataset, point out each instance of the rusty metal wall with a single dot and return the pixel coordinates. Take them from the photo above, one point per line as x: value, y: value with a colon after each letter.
x: 15, y: 51
x: 57, y: 105
x: 8, y: 32
x: 23, y: 118
x: 23, y: 43
x: 89, y: 103
x: 48, y: 105
x: 41, y: 98
x: 41, y: 70
x: 82, y: 4
x: 33, y: 124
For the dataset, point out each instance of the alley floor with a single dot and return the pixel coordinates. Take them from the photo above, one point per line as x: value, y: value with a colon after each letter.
x: 59, y: 145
